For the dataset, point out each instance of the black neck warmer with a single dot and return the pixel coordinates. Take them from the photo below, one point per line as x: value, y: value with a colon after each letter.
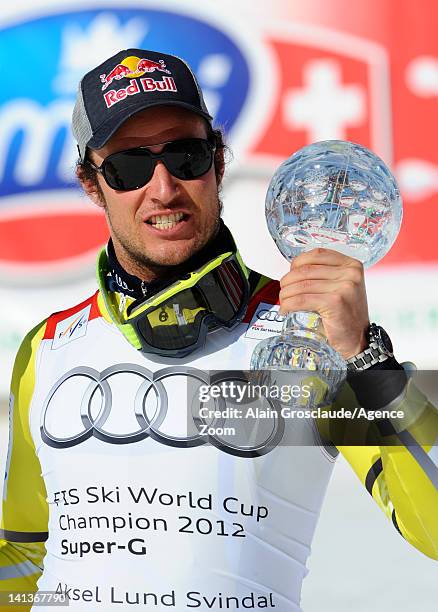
x: 123, y: 282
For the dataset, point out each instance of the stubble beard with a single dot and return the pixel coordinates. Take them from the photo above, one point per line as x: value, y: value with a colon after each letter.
x: 147, y: 267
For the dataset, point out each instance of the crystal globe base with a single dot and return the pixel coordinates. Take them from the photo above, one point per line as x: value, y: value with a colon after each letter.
x: 301, y: 355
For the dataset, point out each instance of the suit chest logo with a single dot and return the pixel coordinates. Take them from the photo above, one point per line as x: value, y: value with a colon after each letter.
x: 266, y: 321
x: 72, y: 328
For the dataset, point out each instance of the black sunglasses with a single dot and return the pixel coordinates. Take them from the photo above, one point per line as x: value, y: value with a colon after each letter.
x: 185, y: 159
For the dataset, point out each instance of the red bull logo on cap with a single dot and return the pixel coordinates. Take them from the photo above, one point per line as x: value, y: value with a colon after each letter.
x: 132, y: 67
x: 112, y: 96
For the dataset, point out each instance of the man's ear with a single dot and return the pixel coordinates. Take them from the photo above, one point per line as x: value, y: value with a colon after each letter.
x: 91, y: 187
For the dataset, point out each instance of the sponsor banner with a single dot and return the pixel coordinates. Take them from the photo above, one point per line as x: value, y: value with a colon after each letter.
x: 274, y: 82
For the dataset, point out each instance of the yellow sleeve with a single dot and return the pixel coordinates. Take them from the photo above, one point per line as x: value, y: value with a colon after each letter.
x: 23, y: 526
x: 403, y: 478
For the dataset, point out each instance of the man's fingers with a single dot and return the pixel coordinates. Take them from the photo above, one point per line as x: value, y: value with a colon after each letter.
x: 313, y: 302
x: 314, y: 272
x: 322, y: 256
x: 318, y: 286
x: 320, y: 272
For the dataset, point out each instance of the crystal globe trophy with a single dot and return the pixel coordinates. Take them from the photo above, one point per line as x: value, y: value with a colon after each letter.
x: 337, y: 195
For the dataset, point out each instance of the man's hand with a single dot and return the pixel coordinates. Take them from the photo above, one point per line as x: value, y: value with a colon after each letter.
x: 332, y: 285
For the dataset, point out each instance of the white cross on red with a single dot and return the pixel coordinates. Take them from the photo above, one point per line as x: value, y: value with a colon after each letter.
x: 325, y: 106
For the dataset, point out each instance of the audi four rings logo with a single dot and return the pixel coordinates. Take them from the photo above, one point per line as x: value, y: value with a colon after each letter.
x: 151, y: 382
x: 270, y: 315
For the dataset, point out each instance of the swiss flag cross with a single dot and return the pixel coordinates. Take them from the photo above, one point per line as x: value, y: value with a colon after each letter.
x: 323, y: 95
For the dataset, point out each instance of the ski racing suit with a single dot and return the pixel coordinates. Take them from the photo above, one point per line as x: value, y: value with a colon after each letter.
x: 103, y: 511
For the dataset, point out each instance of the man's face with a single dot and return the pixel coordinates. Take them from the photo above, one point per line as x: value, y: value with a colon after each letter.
x: 136, y: 217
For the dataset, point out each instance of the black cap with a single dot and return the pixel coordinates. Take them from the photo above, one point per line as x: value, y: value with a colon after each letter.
x: 126, y: 83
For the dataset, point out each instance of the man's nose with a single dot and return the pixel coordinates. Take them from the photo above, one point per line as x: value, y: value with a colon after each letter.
x: 162, y: 187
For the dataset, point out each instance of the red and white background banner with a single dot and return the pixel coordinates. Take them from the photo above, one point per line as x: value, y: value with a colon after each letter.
x: 277, y: 76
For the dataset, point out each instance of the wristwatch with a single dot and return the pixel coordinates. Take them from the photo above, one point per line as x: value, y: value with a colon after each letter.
x: 379, y: 349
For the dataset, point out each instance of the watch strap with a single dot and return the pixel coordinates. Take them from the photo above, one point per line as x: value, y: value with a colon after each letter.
x: 367, y: 358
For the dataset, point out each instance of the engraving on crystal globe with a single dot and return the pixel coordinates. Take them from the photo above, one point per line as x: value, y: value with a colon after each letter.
x: 337, y: 195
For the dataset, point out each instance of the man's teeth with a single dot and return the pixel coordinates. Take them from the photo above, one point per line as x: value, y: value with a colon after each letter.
x: 166, y: 221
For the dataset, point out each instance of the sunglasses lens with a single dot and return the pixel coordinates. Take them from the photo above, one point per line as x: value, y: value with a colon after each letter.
x: 188, y: 159
x: 128, y: 169
x: 131, y: 169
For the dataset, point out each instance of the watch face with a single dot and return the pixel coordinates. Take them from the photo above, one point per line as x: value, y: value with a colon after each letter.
x: 383, y: 340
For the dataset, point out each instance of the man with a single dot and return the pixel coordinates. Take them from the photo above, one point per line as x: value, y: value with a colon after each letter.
x: 136, y: 508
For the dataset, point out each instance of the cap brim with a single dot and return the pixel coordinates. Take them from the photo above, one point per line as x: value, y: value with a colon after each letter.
x: 107, y: 129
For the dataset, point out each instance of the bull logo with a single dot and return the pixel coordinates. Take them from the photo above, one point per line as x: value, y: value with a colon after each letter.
x: 132, y: 67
